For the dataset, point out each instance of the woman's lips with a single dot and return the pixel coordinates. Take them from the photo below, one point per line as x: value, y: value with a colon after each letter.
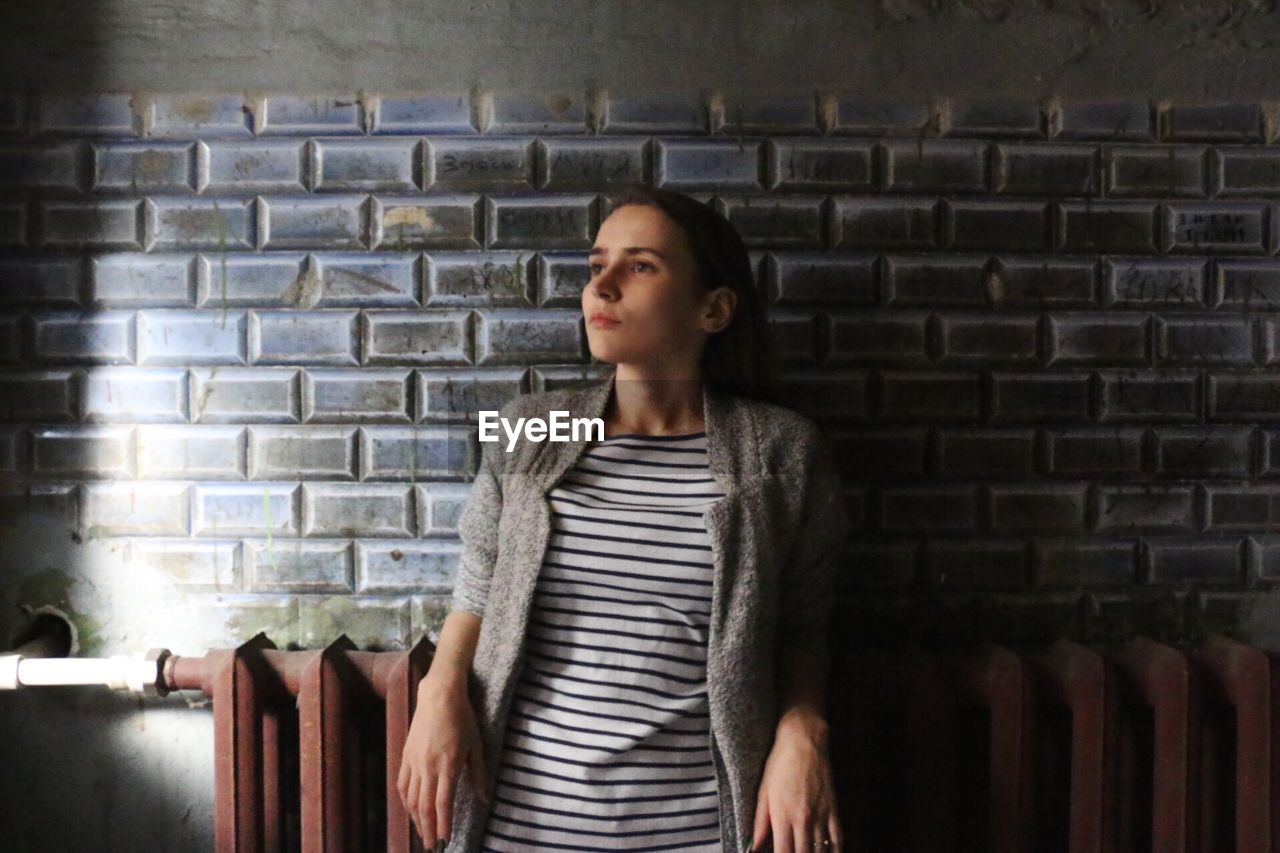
x: 604, y: 322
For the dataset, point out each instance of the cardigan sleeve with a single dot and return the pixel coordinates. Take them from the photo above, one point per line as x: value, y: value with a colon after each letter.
x: 808, y: 577
x: 478, y: 530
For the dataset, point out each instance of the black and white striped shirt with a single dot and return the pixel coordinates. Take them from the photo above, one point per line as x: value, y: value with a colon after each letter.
x: 607, y: 744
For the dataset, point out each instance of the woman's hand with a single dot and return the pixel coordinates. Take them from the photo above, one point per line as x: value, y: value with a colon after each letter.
x: 796, y: 798
x: 443, y: 738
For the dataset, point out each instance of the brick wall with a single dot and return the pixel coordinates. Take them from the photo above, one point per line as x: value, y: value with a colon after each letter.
x: 243, y: 340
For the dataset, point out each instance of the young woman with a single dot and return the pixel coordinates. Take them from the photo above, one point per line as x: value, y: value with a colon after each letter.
x: 636, y: 653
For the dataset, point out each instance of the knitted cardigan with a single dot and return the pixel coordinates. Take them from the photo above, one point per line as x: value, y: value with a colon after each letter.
x: 776, y: 538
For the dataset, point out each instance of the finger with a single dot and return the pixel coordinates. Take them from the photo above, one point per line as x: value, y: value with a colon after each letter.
x: 402, y: 779
x: 760, y: 831
x: 782, y: 841
x: 444, y: 804
x: 837, y: 834
x: 411, y: 802
x: 427, y: 809
x: 801, y: 837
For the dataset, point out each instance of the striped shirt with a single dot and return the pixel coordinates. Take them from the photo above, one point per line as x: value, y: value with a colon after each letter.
x: 608, y: 741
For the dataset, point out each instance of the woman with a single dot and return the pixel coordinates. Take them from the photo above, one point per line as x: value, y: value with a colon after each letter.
x: 644, y: 617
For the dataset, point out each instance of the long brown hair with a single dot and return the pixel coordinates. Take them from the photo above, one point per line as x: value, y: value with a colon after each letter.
x: 739, y: 358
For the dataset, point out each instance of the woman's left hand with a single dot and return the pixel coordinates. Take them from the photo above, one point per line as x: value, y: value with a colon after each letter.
x: 797, y: 799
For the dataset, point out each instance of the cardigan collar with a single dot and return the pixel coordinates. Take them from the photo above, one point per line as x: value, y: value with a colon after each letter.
x: 730, y: 462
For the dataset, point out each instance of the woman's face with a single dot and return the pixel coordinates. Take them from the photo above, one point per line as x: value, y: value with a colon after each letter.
x: 644, y: 277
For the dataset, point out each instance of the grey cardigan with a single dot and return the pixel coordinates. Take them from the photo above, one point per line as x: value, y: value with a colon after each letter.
x: 776, y: 537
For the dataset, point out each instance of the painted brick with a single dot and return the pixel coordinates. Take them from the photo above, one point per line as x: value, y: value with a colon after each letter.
x: 233, y: 395
x: 995, y: 116
x: 1157, y: 171
x: 1233, y: 228
x: 794, y: 337
x: 188, y: 116
x: 489, y: 279
x: 1110, y: 121
x: 357, y: 396
x: 356, y: 281
x: 1106, y: 227
x: 695, y: 164
x: 1072, y: 562
x: 236, y: 167
x: 819, y: 165
x: 879, y: 338
x: 374, y: 623
x: 657, y: 113
x: 929, y: 509
x: 191, y: 452
x: 82, y: 452
x: 84, y: 338
x: 1138, y: 395
x: 15, y: 226
x: 115, y: 224
x: 1249, y: 172
x: 423, y: 453
x: 41, y: 166
x: 135, y: 394
x: 1209, y: 341
x: 313, y: 114
x: 566, y: 165
x: 479, y: 164
x: 935, y: 281
x: 1204, y: 452
x: 191, y: 337
x: 884, y: 223
x: 874, y: 116
x: 419, y: 337
x: 422, y: 114
x: 1038, y: 169
x: 1144, y: 509
x: 833, y: 278
x: 41, y: 281
x: 296, y: 566
x: 406, y: 567
x: 448, y: 395
x: 228, y: 280
x: 930, y: 396
x: 128, y: 280
x: 1038, y: 508
x: 1040, y: 396
x: 1241, y: 507
x: 934, y: 166
x: 987, y: 339
x: 302, y: 452
x: 1045, y: 282
x: 314, y: 222
x: 101, y: 114
x: 144, y: 167
x: 892, y: 452
x: 303, y: 337
x: 832, y: 396
x: 49, y: 395
x: 561, y: 278
x: 533, y: 112
x: 367, y: 165
x: 979, y: 564
x: 984, y: 453
x: 996, y: 226
x: 1097, y: 339
x: 1160, y: 283
x: 136, y: 509
x: 1094, y: 452
x: 440, y: 506
x: 551, y: 222
x: 528, y: 337
x: 774, y: 222
x: 754, y: 114
x: 1213, y: 122
x: 244, y: 509
x: 203, y: 223
x: 358, y: 509
x: 401, y: 223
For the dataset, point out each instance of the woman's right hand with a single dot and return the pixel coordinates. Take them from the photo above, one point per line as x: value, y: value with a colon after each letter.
x: 443, y: 738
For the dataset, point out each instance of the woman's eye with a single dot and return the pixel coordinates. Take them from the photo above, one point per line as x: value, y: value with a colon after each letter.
x: 594, y: 269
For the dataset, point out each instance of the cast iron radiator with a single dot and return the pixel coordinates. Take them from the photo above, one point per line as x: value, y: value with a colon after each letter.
x: 1136, y: 747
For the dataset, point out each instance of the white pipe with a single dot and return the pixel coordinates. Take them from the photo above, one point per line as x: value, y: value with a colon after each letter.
x: 138, y: 674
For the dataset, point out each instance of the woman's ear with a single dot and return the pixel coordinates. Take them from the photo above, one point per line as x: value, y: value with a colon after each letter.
x: 720, y: 306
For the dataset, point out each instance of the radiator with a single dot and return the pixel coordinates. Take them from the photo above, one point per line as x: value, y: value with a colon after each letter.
x: 1136, y: 747
x: 307, y: 744
x: 1132, y: 747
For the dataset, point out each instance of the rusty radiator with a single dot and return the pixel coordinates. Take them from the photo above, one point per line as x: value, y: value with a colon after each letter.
x: 1137, y: 747
x: 307, y: 744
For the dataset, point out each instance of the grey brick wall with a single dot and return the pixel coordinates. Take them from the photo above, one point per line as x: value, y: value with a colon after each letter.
x: 244, y: 340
